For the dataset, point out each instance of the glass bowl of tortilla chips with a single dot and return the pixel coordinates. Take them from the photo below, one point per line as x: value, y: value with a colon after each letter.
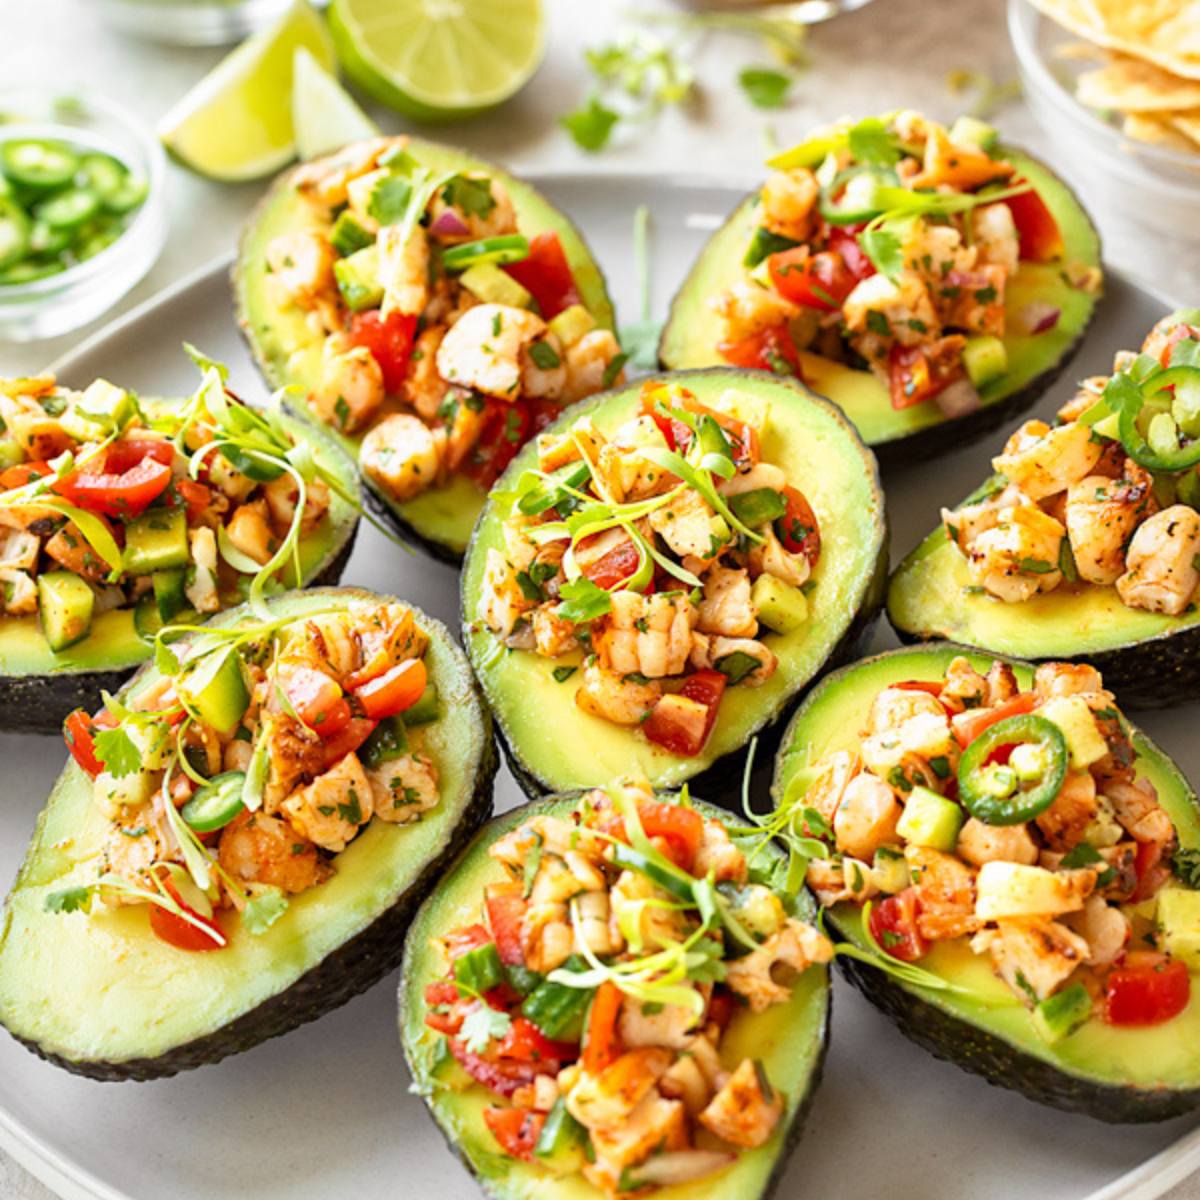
x: 1116, y: 85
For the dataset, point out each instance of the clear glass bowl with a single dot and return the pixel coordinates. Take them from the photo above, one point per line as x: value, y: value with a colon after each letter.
x: 59, y: 303
x: 1157, y: 186
x: 191, y: 22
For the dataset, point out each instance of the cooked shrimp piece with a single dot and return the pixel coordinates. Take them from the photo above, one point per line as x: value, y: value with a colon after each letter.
x: 1101, y: 516
x: 789, y: 203
x: 553, y: 636
x: 965, y: 687
x: 708, y: 651
x: 827, y: 789
x: 689, y: 526
x: 670, y: 1025
x: 771, y: 558
x: 608, y: 694
x: 250, y: 531
x: 294, y: 753
x: 588, y: 363
x: 282, y: 496
x: 627, y: 473
x: 201, y: 591
x: 1105, y: 928
x: 483, y: 209
x: 404, y: 270
x: 1065, y: 822
x: 965, y: 523
x: 73, y: 552
x: 403, y: 788
x: 256, y: 848
x: 647, y: 635
x: 501, y: 601
x: 746, y: 1110
x: 325, y: 179
x: 903, y: 303
x: 1043, y: 461
x: 1138, y: 810
x: 1163, y: 562
x: 933, y: 251
x: 761, y: 475
x: 1019, y: 557
x: 18, y: 595
x: 866, y: 818
x: 747, y: 310
x: 606, y: 1100
x: 135, y: 842
x: 758, y: 975
x: 402, y: 455
x: 994, y: 233
x: 718, y: 854
x: 726, y: 607
x: 301, y: 268
x: 464, y: 426
x: 351, y: 387
x: 980, y: 843
x: 424, y: 389
x: 833, y: 880
x: 945, y: 891
x: 330, y: 810
x: 1034, y: 957
x: 1066, y: 679
x: 543, y: 368
x: 483, y: 348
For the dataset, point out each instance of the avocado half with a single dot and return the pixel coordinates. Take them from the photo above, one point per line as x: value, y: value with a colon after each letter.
x: 39, y: 687
x: 1149, y: 660
x: 690, y: 336
x: 288, y: 351
x: 1120, y: 1075
x: 101, y: 996
x: 552, y: 745
x: 790, y: 1038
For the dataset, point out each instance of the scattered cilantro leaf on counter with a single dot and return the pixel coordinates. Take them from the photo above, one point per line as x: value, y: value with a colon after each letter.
x: 590, y: 126
x: 764, y: 87
x: 990, y: 94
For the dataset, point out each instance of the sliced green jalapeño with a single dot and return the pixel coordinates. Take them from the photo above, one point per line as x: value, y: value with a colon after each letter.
x: 1013, y: 792
x: 1168, y: 440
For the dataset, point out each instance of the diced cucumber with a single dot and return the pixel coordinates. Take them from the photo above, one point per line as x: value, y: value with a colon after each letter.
x: 1078, y: 726
x: 216, y: 689
x: 930, y: 820
x: 1058, y: 1016
x: 349, y: 234
x: 358, y: 279
x: 487, y: 282
x: 146, y: 619
x: 388, y: 741
x: 560, y: 1145
x: 985, y: 359
x: 971, y: 131
x: 127, y: 791
x: 781, y: 607
x: 65, y: 606
x: 572, y: 324
x: 1179, y: 924
x: 479, y: 970
x: 168, y: 592
x: 156, y: 541
x: 428, y: 708
x: 557, y: 1010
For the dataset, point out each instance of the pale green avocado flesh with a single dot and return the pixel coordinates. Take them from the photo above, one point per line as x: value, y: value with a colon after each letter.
x: 694, y: 329
x: 288, y: 350
x: 114, y: 644
x: 562, y: 747
x: 1156, y: 1057
x: 98, y: 991
x: 788, y: 1038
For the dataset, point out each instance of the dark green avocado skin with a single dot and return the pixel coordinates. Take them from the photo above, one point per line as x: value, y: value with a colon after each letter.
x: 804, y: 1103
x: 1001, y: 1063
x: 354, y: 967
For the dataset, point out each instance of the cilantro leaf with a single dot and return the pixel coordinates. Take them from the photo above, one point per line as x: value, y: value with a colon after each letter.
x: 765, y: 88
x: 640, y: 343
x: 389, y: 200
x: 263, y: 910
x: 117, y: 751
x: 871, y: 141
x: 1186, y: 866
x: 75, y: 899
x: 581, y: 601
x: 590, y: 126
x: 882, y: 246
x: 481, y: 1025
x: 472, y: 196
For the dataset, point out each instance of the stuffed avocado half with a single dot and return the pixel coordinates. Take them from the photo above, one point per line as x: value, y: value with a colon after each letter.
x: 930, y: 282
x: 435, y: 312
x: 324, y: 759
x: 672, y: 1045
x: 1014, y: 867
x: 1086, y: 543
x: 118, y: 514
x: 656, y: 578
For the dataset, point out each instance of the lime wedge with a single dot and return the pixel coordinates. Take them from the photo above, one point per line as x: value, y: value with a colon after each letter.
x: 236, y: 123
x: 439, y: 60
x: 324, y: 114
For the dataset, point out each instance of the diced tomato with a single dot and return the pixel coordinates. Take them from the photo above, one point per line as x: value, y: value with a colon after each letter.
x: 820, y: 281
x: 1037, y: 230
x: 721, y: 1007
x: 601, y: 1044
x: 347, y: 740
x: 125, y: 454
x: 1146, y: 988
x: 390, y: 341
x: 797, y: 529
x: 181, y: 934
x: 893, y: 925
x: 125, y: 491
x: 316, y: 698
x: 615, y: 566
x: 458, y: 942
x: 502, y: 1076
x: 969, y: 725
x: 705, y: 687
x: 196, y: 496
x: 78, y: 734
x: 1180, y: 333
x: 525, y: 1042
x: 844, y: 239
x: 681, y: 828
x: 932, y: 686
x: 393, y: 691
x: 505, y: 429
x: 1151, y: 871
x: 914, y: 377
x: 443, y: 994
x: 516, y: 1129
x: 773, y: 350
x: 546, y: 275
x: 23, y: 473
x: 505, y: 911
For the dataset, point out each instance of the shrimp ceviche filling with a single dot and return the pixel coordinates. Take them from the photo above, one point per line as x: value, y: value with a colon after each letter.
x: 658, y: 560
x: 235, y: 780
x: 1109, y: 494
x: 1014, y: 822
x: 593, y: 997
x: 109, y: 503
x: 450, y: 336
x: 889, y: 243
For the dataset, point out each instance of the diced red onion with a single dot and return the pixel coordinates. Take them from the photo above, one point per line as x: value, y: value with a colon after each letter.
x: 959, y: 399
x: 1038, y: 317
x: 681, y: 1166
x: 448, y: 224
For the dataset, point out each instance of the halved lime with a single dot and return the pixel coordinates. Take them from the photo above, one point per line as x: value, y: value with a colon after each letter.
x: 236, y: 123
x: 324, y: 114
x: 439, y: 60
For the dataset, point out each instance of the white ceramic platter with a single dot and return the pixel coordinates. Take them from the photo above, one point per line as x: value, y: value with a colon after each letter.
x: 325, y: 1113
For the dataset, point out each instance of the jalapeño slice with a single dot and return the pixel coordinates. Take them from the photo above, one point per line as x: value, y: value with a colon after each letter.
x: 1011, y: 793
x: 1168, y: 441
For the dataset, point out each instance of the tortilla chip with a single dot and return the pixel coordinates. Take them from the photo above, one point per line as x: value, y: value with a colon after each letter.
x: 1133, y: 85
x: 1157, y: 132
x: 1187, y: 123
